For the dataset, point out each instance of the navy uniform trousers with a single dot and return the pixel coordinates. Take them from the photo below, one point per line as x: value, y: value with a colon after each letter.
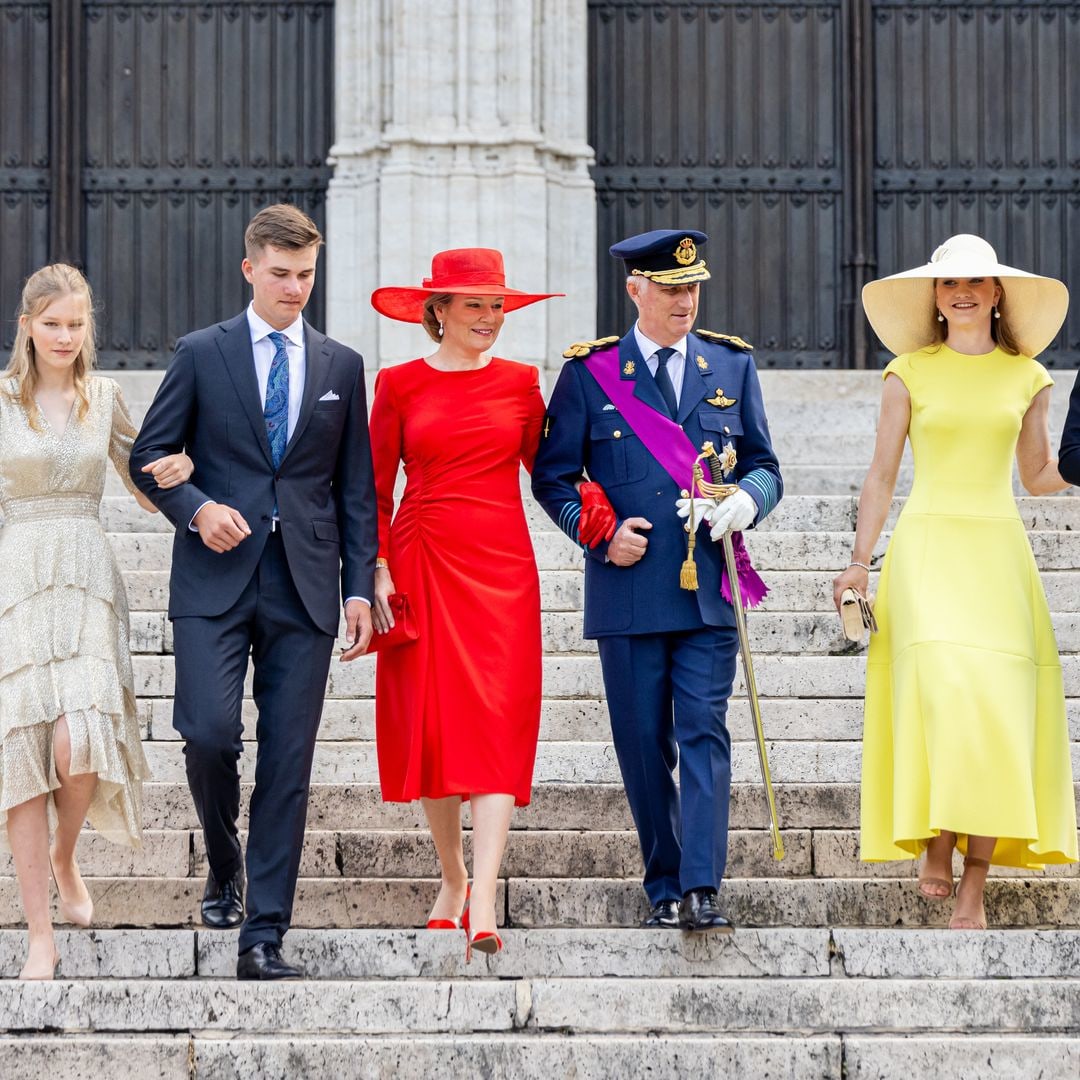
x: 291, y: 659
x: 685, y: 677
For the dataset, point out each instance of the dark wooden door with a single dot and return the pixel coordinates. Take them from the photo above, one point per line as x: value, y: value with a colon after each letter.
x: 977, y: 129
x: 821, y: 143
x: 171, y: 123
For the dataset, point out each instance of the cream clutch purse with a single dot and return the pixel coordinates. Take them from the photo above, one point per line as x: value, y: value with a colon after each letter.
x: 856, y: 615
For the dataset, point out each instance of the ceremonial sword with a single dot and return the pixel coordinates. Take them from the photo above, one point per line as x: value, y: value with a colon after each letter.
x: 719, y: 489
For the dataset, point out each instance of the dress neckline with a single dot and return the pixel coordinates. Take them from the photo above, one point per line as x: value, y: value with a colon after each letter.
x: 972, y: 356
x: 48, y: 422
x: 457, y: 371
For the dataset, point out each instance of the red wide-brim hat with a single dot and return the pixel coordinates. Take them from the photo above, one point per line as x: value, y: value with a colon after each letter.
x: 464, y: 271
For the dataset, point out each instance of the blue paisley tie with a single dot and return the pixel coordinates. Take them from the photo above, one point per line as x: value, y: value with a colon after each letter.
x: 276, y: 410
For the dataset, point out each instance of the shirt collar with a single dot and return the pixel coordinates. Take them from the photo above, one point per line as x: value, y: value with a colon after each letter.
x: 649, y: 347
x: 260, y: 328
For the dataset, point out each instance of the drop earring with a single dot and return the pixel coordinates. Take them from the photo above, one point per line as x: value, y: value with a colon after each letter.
x: 997, y: 314
x: 940, y: 317
x: 440, y: 329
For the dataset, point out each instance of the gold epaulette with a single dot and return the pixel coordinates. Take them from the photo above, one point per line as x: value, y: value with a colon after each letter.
x: 731, y: 340
x: 581, y: 349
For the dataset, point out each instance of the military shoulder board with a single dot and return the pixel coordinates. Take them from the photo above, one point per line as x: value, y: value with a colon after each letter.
x: 580, y: 349
x: 730, y: 340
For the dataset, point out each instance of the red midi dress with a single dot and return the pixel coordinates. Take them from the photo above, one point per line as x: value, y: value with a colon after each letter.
x: 457, y: 712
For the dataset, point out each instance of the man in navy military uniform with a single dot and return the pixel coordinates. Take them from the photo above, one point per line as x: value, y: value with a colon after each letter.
x: 667, y: 653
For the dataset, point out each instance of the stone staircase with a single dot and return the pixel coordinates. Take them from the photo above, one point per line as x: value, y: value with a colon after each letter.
x: 838, y: 968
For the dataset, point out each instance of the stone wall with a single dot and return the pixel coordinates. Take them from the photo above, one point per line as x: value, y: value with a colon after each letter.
x: 461, y: 124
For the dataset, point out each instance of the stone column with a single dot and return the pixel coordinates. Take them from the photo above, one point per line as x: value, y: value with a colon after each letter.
x: 461, y: 124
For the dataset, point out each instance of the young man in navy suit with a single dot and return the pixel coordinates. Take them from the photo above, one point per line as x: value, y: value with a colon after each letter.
x: 630, y: 415
x: 281, y: 502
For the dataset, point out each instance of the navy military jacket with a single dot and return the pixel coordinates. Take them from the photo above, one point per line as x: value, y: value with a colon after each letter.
x: 585, y: 434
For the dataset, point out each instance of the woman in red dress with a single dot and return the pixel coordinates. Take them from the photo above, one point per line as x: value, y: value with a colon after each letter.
x: 458, y: 709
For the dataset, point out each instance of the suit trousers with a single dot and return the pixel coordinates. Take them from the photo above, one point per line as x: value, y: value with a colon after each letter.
x: 667, y: 696
x: 291, y: 660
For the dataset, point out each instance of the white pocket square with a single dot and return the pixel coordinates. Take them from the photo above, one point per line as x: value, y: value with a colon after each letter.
x: 329, y: 396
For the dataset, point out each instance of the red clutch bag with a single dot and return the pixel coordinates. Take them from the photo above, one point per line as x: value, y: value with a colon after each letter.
x: 402, y: 632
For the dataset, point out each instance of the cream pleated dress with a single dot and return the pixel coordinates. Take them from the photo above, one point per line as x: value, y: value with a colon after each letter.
x: 63, y: 612
x: 965, y: 724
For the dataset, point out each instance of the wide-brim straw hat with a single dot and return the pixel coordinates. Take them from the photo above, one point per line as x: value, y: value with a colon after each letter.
x: 461, y: 271
x: 902, y: 311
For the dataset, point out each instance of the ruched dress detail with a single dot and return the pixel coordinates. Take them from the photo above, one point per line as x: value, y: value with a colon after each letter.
x: 965, y: 727
x: 458, y: 710
x: 64, y: 646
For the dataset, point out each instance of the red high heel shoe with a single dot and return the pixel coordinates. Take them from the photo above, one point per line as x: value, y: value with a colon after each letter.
x: 460, y: 923
x: 486, y: 941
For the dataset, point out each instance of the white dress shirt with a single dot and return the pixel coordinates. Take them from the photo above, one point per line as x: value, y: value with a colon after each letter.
x: 676, y: 364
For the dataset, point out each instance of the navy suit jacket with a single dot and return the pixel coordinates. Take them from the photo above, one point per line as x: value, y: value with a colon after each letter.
x: 584, y: 434
x: 1069, y: 452
x: 208, y: 405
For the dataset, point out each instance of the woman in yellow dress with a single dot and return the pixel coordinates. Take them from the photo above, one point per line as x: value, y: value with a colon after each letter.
x: 965, y: 742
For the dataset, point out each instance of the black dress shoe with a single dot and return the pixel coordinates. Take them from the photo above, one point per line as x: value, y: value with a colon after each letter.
x: 223, y: 904
x: 700, y: 911
x: 263, y: 961
x: 664, y: 916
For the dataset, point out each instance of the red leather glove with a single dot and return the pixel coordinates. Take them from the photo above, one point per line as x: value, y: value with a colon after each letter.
x: 597, y: 521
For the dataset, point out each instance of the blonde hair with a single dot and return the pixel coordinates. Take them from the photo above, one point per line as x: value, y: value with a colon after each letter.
x: 1000, y: 328
x: 42, y: 288
x: 429, y: 320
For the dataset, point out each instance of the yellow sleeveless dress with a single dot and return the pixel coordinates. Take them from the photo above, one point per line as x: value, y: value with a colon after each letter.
x: 965, y: 724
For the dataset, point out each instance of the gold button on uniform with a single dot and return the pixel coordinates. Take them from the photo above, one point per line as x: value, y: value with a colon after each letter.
x: 617, y: 433
x: 727, y: 431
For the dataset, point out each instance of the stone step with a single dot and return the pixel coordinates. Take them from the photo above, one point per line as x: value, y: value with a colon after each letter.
x: 568, y: 762
x: 338, y: 807
x: 579, y: 677
x: 774, y: 952
x: 796, y: 513
x: 771, y: 551
x: 539, y: 1057
x: 778, y: 633
x: 786, y: 719
x: 323, y: 903
x: 875, y: 902
x: 367, y: 852
x: 784, y: 952
x: 563, y: 591
x: 679, y: 1006
x: 525, y: 1057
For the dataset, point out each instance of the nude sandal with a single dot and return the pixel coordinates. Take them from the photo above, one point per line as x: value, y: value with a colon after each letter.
x: 956, y: 923
x: 942, y: 883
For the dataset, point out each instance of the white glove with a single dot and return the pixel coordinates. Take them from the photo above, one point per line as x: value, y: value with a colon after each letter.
x: 702, y: 509
x: 735, y: 513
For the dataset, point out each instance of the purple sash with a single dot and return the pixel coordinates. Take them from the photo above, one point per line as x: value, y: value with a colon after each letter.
x: 672, y: 448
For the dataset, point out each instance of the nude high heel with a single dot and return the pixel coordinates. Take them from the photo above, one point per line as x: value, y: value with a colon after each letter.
x: 76, y: 914
x: 42, y: 975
